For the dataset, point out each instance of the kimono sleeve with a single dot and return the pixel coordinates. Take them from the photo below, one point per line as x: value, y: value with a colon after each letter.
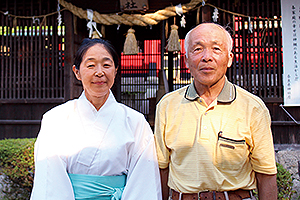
x: 51, y: 181
x: 143, y: 181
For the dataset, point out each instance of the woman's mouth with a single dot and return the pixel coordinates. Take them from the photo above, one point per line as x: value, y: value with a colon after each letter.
x: 98, y: 82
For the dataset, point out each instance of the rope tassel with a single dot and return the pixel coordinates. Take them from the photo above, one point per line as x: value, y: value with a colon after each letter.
x: 130, y: 45
x: 173, y: 41
x: 95, y: 35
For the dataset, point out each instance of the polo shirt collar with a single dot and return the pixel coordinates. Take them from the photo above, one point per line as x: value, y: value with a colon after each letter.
x: 227, y: 95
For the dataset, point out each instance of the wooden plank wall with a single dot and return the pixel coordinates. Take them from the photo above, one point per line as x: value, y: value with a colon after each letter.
x: 21, y: 120
x: 285, y: 130
x: 32, y: 54
x: 31, y: 66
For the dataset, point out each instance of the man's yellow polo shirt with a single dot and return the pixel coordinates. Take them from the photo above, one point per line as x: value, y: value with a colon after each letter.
x: 216, y: 147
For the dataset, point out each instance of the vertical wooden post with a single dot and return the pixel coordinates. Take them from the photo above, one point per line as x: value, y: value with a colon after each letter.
x: 69, y: 56
x: 206, y: 14
x: 162, y: 43
x: 118, y: 44
x: 170, y: 70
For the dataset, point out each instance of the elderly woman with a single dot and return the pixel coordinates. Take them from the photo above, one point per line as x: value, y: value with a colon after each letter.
x: 93, y: 147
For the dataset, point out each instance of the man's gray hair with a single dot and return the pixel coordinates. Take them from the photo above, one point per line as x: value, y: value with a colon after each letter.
x: 229, y: 38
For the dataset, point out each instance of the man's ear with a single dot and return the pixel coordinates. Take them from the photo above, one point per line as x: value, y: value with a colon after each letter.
x: 76, y: 72
x: 185, y: 60
x: 230, y: 59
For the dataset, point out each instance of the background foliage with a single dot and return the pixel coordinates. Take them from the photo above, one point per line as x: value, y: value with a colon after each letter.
x: 284, y: 183
x: 17, y: 167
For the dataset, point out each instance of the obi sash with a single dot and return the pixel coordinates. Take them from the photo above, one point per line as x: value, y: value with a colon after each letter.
x: 94, y: 187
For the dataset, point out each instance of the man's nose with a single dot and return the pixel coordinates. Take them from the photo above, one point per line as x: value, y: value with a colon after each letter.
x: 206, y: 55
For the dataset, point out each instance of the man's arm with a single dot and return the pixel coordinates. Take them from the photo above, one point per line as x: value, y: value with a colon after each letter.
x: 266, y: 186
x: 164, y: 175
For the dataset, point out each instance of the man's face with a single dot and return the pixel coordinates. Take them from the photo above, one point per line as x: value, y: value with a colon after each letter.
x: 208, y: 56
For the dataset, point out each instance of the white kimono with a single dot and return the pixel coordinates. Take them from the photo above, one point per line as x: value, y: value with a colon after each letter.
x: 76, y: 138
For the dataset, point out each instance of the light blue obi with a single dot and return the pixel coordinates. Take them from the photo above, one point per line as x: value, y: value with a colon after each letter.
x: 93, y: 187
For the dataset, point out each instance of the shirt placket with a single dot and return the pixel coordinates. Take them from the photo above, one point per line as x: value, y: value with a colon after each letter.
x: 205, y: 119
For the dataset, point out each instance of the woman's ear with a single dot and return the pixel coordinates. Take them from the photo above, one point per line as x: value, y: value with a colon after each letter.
x: 116, y: 71
x: 76, y: 72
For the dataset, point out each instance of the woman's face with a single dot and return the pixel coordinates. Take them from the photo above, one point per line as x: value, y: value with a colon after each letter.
x: 97, y: 72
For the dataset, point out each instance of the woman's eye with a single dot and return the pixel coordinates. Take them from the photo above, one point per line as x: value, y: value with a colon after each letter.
x: 107, y: 65
x: 90, y: 66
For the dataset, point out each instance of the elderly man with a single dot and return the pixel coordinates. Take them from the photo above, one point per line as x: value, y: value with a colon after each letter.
x: 213, y: 138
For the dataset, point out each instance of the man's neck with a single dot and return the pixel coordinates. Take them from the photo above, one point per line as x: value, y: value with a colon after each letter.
x: 209, y: 93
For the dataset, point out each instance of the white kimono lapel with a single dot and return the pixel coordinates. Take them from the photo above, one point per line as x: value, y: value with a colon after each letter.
x: 94, y: 125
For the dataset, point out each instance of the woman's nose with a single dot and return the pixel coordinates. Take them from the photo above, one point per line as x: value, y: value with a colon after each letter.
x: 99, y: 71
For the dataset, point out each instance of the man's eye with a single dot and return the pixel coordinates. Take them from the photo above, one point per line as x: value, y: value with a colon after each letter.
x: 198, y: 49
x: 90, y: 66
x: 217, y: 48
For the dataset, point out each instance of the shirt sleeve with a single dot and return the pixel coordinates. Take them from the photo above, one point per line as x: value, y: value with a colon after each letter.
x: 163, y: 154
x: 143, y: 179
x: 51, y: 181
x: 262, y: 153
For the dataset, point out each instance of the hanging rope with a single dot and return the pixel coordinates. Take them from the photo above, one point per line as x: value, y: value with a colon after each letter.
x: 30, y: 17
x: 130, y: 45
x: 134, y: 19
x: 142, y: 20
x: 173, y: 41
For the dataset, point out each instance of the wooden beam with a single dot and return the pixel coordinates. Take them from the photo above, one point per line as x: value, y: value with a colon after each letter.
x: 285, y: 123
x: 20, y: 122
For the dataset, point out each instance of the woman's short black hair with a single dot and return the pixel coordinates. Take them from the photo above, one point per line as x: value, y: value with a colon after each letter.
x: 88, y: 43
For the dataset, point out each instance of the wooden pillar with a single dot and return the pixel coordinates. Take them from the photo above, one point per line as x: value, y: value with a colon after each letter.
x: 111, y: 33
x: 162, y: 42
x: 206, y: 14
x: 170, y: 70
x: 69, y: 56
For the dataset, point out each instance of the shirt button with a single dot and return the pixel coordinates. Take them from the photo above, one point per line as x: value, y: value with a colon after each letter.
x: 205, y: 127
x: 205, y: 113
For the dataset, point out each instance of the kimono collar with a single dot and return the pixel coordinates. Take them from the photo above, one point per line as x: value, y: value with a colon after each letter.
x: 227, y: 95
x: 88, y: 109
